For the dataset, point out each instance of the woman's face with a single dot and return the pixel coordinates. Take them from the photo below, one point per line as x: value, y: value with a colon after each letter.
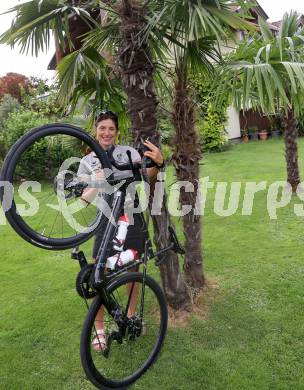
x: 106, y: 133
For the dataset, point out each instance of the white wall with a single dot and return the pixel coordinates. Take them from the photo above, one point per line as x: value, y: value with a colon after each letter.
x: 232, y: 125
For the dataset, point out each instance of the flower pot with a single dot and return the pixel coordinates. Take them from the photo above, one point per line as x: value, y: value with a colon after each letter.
x: 253, y: 136
x: 263, y: 135
x: 245, y: 139
x: 276, y: 133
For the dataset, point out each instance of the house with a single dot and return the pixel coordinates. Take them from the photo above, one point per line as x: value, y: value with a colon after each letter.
x: 246, y: 119
x: 240, y: 120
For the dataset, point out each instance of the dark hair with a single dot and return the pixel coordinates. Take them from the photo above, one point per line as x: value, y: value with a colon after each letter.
x: 105, y: 114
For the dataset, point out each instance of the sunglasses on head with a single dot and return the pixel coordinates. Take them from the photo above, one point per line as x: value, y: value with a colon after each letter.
x: 106, y: 112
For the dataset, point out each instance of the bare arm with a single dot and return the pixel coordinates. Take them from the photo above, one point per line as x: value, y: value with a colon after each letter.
x: 155, y: 154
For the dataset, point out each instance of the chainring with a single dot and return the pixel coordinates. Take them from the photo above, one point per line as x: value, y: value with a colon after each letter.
x: 83, y: 286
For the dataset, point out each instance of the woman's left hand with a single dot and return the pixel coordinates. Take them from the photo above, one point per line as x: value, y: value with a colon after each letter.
x: 154, y: 153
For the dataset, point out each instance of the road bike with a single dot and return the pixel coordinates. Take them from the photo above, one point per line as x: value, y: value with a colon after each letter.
x: 134, y: 307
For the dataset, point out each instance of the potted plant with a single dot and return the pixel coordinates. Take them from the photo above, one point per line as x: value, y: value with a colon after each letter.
x: 245, y: 137
x: 263, y: 134
x: 253, y: 133
x: 275, y: 126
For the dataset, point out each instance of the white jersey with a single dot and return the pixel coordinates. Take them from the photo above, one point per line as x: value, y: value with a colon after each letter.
x: 91, y: 163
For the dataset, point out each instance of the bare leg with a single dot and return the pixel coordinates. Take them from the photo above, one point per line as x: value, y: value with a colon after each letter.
x: 99, y: 342
x: 99, y: 319
x: 133, y: 301
x: 99, y: 324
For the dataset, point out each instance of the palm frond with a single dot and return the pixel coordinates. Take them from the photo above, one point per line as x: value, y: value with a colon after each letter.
x: 35, y: 22
x: 84, y: 76
x: 265, y: 30
x: 289, y: 25
x: 267, y: 71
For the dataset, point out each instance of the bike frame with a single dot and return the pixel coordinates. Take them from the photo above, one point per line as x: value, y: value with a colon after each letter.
x: 101, y: 278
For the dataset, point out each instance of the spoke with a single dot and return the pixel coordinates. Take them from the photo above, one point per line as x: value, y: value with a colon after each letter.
x: 45, y: 196
x: 54, y: 222
x: 136, y: 350
x: 74, y: 227
x: 83, y: 217
x: 47, y: 209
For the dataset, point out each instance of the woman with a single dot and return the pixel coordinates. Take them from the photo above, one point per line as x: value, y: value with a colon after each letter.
x: 106, y: 134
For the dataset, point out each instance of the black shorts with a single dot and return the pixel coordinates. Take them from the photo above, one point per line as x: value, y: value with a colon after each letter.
x: 135, y: 237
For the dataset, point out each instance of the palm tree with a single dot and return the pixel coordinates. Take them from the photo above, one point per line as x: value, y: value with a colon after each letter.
x: 194, y: 29
x: 136, y: 64
x: 267, y: 72
x: 83, y: 69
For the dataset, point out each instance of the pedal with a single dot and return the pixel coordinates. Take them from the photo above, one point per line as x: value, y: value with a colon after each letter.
x: 79, y: 256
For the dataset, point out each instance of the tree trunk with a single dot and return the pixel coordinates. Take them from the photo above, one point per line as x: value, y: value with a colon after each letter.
x: 186, y: 158
x: 137, y: 70
x: 291, y: 150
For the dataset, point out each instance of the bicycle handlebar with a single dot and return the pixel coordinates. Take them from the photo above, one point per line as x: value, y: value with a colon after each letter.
x: 136, y: 165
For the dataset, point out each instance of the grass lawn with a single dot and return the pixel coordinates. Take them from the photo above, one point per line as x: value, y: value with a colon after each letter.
x: 252, y: 337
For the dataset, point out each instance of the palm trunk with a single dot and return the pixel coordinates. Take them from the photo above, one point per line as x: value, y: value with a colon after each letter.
x: 291, y: 150
x: 186, y: 158
x: 137, y: 69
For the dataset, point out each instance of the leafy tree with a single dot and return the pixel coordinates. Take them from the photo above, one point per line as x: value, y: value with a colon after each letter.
x: 85, y: 74
x: 7, y: 105
x: 267, y: 72
x: 14, y: 84
x: 193, y: 28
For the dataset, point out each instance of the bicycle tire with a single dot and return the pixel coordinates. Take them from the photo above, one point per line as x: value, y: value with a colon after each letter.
x: 101, y: 379
x: 7, y: 173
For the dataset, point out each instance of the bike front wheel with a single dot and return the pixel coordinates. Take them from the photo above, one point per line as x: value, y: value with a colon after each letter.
x: 134, y: 321
x: 41, y: 174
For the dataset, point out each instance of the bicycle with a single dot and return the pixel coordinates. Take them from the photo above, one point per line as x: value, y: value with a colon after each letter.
x: 133, y: 337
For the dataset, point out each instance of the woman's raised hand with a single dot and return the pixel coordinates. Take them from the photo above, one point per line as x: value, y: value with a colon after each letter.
x: 154, y: 153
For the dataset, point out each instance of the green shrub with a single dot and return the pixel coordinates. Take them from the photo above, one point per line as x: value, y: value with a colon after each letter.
x: 300, y: 125
x: 7, y: 105
x: 33, y: 164
x: 211, y: 117
x: 43, y: 105
x: 19, y: 123
x: 212, y: 131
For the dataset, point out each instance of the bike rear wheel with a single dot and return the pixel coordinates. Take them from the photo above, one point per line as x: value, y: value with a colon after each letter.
x: 133, y: 342
x: 56, y: 220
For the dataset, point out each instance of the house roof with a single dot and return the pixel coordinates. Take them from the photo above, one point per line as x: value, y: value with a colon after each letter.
x: 256, y: 10
x: 259, y: 11
x: 278, y: 23
x: 273, y: 27
x: 53, y: 63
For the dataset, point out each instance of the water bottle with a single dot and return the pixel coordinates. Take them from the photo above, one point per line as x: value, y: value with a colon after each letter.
x: 120, y: 238
x: 121, y: 259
